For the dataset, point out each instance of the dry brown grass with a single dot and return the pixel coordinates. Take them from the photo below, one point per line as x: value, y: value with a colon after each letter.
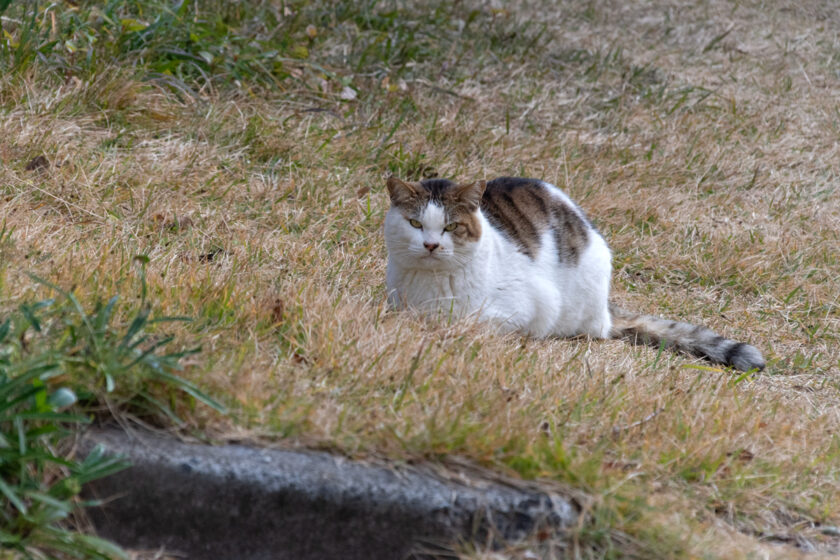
x: 702, y: 139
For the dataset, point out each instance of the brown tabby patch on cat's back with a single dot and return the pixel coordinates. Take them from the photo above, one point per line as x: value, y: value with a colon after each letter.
x: 523, y: 209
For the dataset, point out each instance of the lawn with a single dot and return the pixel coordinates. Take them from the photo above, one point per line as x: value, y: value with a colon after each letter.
x: 225, y: 162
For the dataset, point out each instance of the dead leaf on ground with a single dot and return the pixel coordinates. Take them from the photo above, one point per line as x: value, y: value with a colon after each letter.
x: 278, y: 309
x: 211, y: 256
x: 742, y: 456
x: 178, y: 223
x: 38, y: 162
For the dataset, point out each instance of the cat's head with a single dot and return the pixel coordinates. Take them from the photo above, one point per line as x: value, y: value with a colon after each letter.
x: 433, y: 224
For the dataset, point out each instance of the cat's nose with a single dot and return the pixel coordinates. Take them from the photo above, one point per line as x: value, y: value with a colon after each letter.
x: 431, y: 246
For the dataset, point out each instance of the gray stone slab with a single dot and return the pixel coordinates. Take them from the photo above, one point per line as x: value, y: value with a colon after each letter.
x: 235, y: 501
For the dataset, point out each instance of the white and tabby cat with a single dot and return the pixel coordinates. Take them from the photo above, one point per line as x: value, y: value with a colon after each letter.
x: 520, y: 253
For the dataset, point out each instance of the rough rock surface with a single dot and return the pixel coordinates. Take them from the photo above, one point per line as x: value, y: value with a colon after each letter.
x: 241, y: 502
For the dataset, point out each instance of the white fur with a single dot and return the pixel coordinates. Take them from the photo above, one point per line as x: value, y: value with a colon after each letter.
x: 540, y: 297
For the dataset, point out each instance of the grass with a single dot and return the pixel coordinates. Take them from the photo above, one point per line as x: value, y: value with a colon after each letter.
x: 62, y: 366
x: 241, y: 149
x: 40, y: 486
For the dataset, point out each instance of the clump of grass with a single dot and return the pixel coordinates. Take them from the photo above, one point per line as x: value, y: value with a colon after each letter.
x: 40, y: 485
x: 197, y: 46
x: 60, y: 366
x: 120, y: 369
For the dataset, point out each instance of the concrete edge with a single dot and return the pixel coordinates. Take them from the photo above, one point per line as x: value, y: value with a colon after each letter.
x: 235, y: 501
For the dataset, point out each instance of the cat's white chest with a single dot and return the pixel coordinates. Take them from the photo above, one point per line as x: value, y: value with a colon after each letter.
x: 432, y: 290
x: 499, y: 283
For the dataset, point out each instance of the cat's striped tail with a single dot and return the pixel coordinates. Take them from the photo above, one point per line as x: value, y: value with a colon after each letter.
x: 692, y: 339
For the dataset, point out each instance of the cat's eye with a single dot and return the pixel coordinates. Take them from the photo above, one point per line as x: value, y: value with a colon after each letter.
x: 415, y: 223
x: 450, y: 227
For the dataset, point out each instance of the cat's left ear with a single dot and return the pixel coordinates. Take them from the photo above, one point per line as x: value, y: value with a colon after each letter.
x: 469, y: 194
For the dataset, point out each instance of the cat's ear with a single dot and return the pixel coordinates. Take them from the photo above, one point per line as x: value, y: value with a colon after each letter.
x: 402, y: 192
x: 469, y: 194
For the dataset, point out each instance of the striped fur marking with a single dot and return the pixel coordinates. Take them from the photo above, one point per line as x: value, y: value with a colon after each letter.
x: 696, y: 340
x: 525, y: 208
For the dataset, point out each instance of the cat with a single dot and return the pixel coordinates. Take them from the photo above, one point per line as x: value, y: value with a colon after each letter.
x: 519, y: 253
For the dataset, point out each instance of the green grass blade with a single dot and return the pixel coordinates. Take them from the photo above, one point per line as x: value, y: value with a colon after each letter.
x: 191, y: 389
x: 10, y: 494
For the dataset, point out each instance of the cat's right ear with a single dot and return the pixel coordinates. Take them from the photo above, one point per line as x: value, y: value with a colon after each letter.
x: 401, y: 192
x: 470, y: 194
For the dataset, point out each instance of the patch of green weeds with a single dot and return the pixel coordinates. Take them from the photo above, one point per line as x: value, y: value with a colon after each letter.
x: 39, y: 483
x: 41, y: 486
x: 121, y: 366
x: 61, y: 363
x: 193, y: 44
